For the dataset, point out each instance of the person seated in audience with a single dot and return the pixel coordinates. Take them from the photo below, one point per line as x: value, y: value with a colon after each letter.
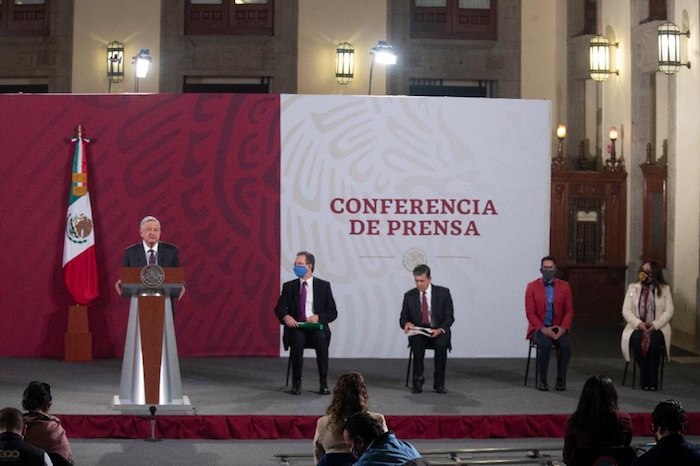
x: 669, y: 421
x: 597, y: 421
x: 372, y: 445
x: 42, y: 429
x: 349, y: 397
x: 14, y: 449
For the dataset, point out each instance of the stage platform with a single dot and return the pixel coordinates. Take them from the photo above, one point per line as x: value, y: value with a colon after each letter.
x: 242, y: 414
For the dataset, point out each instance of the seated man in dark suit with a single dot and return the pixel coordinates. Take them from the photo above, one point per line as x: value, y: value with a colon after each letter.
x: 428, y: 306
x: 306, y: 299
x: 150, y: 251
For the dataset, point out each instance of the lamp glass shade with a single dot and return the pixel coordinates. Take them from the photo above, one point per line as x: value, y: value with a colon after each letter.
x: 561, y: 131
x: 599, y: 58
x: 344, y: 63
x: 143, y: 63
x: 384, y: 53
x: 115, y: 61
x: 669, y: 48
x: 613, y: 133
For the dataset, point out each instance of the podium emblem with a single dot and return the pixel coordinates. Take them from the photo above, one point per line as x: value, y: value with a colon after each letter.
x: 152, y: 275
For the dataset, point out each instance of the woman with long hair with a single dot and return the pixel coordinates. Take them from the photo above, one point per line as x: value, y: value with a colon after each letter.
x: 648, y: 309
x: 349, y: 397
x: 597, y: 421
x: 42, y: 429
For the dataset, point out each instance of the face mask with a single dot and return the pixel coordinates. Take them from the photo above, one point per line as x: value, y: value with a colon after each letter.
x: 548, y: 275
x: 644, y: 277
x: 300, y: 270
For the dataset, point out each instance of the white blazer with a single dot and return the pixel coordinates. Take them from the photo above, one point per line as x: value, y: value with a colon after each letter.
x: 663, y: 314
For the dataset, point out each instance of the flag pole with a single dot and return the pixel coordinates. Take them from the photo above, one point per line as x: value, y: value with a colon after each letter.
x: 79, y: 257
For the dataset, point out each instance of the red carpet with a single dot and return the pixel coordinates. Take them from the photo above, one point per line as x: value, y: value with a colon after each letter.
x: 302, y: 427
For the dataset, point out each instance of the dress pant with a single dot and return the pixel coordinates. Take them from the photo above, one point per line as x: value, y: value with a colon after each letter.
x: 649, y: 364
x: 563, y: 346
x: 419, y: 343
x: 308, y: 338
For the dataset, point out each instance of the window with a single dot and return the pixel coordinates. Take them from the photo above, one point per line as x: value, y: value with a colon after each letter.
x: 24, y: 17
x: 590, y: 17
x: 229, y: 17
x: 454, y: 19
x: 451, y: 88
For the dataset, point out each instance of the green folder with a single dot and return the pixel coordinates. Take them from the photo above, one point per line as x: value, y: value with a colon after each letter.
x: 312, y: 325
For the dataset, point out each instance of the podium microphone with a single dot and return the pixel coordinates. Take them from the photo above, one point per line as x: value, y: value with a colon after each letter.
x: 153, y: 438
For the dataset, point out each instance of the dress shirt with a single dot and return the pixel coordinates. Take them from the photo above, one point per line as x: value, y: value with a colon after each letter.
x: 147, y: 248
x: 309, y: 308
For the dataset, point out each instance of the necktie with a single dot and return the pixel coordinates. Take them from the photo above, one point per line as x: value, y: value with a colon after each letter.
x: 151, y: 257
x: 424, y: 310
x: 302, y: 303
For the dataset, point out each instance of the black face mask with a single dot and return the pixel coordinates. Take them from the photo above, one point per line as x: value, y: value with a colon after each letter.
x: 548, y: 275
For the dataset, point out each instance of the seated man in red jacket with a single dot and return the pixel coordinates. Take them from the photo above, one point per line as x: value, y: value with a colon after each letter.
x: 549, y: 310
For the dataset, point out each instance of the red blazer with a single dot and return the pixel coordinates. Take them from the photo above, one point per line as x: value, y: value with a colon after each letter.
x: 536, y: 305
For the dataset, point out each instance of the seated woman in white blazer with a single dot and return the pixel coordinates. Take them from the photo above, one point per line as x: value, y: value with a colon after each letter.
x: 648, y: 309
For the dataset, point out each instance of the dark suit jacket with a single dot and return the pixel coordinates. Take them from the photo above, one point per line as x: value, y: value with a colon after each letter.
x: 441, y: 308
x: 536, y: 305
x: 324, y: 305
x: 135, y: 255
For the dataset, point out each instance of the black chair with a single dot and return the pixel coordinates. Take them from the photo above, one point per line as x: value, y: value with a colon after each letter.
x: 664, y: 357
x: 531, y: 345
x: 603, y: 456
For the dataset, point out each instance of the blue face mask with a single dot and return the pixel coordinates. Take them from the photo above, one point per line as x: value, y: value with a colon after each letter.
x: 300, y: 270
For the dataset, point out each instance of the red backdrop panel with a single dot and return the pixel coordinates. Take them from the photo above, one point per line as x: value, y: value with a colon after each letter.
x: 206, y: 165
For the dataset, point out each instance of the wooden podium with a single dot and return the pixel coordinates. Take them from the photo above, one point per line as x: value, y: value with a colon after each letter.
x: 150, y: 368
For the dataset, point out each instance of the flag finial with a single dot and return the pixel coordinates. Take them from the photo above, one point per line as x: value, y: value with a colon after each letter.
x: 80, y: 130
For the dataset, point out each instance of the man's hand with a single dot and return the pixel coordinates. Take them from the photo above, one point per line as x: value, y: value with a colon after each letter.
x: 290, y: 321
x: 436, y: 332
x: 118, y: 287
x: 549, y: 332
x: 408, y: 326
x: 313, y: 319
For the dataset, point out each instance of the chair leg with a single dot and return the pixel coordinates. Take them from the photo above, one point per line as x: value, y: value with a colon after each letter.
x: 527, y: 366
x: 408, y: 369
x: 537, y: 365
x: 624, y: 374
x: 634, y: 371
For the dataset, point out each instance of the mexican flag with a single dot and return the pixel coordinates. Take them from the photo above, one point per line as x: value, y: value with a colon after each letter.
x: 79, y: 263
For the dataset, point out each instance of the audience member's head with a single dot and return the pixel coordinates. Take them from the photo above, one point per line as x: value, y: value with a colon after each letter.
x: 597, y: 406
x: 349, y: 397
x: 11, y: 420
x: 668, y: 418
x: 37, y: 397
x: 360, y: 430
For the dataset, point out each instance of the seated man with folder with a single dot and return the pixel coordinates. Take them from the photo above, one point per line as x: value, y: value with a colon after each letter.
x: 305, y: 308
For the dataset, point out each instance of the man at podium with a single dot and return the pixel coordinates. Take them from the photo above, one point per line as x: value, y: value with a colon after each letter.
x: 151, y: 250
x: 152, y: 278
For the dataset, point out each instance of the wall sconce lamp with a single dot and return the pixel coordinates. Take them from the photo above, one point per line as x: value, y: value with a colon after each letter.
x: 613, y: 164
x: 143, y: 63
x: 558, y: 161
x: 670, y: 48
x: 382, y: 53
x: 599, y: 63
x: 344, y: 63
x: 115, y: 63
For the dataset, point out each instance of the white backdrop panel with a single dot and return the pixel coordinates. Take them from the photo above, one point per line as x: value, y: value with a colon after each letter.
x: 418, y: 154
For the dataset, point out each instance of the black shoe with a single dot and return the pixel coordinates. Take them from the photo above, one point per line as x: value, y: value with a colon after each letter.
x: 560, y: 386
x: 417, y: 389
x: 543, y: 387
x: 441, y: 390
x: 296, y: 390
x: 323, y: 390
